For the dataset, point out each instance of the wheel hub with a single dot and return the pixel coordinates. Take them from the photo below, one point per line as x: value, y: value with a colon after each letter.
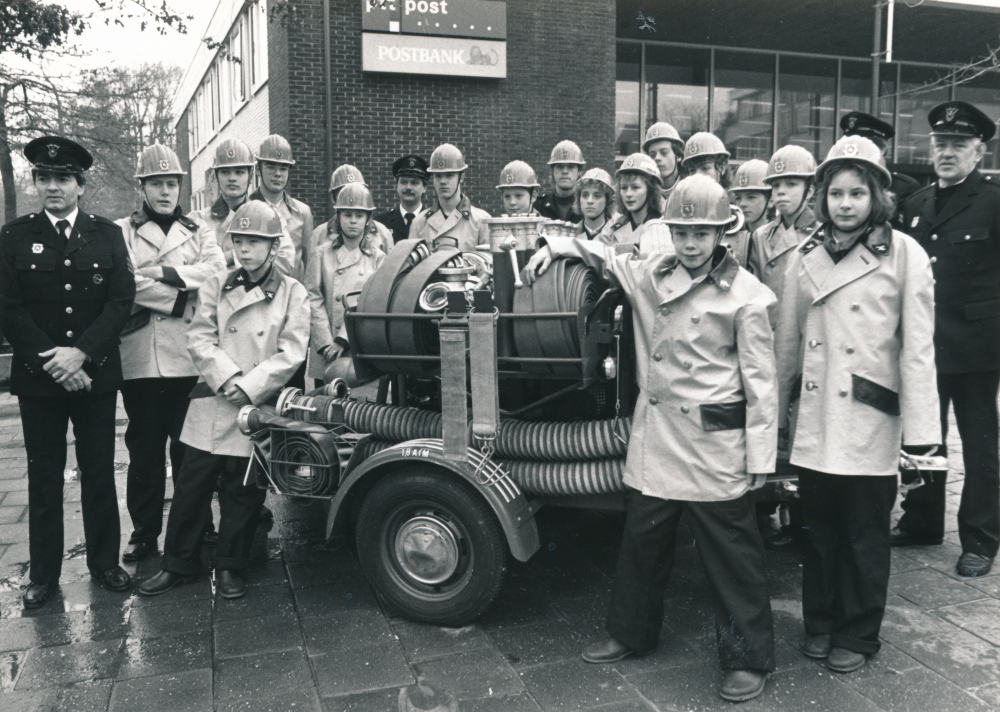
x: 427, y: 550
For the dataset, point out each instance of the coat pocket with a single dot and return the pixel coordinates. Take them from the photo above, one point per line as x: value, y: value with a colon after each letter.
x: 723, y: 416
x: 875, y: 395
x: 982, y: 310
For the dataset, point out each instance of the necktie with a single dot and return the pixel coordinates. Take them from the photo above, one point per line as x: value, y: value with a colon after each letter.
x: 409, y: 219
x: 63, y: 227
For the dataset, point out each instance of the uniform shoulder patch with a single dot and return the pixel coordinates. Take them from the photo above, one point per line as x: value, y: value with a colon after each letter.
x: 187, y: 222
x: 809, y: 245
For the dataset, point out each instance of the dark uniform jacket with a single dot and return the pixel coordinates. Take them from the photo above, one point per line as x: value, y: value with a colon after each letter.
x: 546, y: 207
x: 57, y: 292
x: 395, y: 221
x: 963, y: 243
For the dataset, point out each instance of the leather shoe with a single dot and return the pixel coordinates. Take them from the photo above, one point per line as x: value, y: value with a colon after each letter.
x: 779, y: 541
x: 162, y: 582
x: 844, y: 660
x: 137, y: 551
x: 608, y: 651
x: 973, y: 565
x: 741, y: 685
x: 38, y: 594
x: 898, y: 537
x: 230, y: 583
x: 116, y: 579
x: 817, y: 647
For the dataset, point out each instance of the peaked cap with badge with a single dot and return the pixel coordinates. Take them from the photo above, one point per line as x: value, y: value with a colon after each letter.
x: 410, y: 165
x: 959, y: 118
x: 58, y: 155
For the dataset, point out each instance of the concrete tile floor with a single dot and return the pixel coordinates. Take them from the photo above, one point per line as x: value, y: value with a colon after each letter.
x: 311, y: 635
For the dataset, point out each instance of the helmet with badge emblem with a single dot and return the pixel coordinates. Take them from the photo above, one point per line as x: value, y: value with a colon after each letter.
x: 232, y: 153
x: 698, y: 200
x: 566, y: 152
x: 597, y: 175
x: 158, y: 160
x: 446, y: 158
x: 346, y: 174
x: 750, y: 176
x: 518, y: 174
x: 662, y: 131
x: 790, y: 161
x: 256, y: 218
x: 640, y: 163
x: 855, y: 149
x: 703, y: 144
x: 275, y: 149
x: 354, y: 196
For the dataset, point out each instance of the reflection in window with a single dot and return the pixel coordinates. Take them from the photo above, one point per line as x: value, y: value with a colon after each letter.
x: 627, y: 99
x: 807, y: 92
x: 984, y: 93
x: 887, y: 98
x: 919, y: 92
x: 743, y: 103
x: 855, y: 87
x: 677, y: 88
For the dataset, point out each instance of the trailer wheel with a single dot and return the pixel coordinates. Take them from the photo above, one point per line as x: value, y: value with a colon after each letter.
x: 431, y: 547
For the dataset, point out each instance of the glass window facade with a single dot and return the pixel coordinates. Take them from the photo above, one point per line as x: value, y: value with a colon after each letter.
x: 758, y: 101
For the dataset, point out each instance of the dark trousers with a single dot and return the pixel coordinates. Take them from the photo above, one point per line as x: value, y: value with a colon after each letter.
x: 44, y: 422
x: 974, y: 396
x: 156, y: 408
x: 730, y: 548
x: 845, y: 559
x: 239, y: 505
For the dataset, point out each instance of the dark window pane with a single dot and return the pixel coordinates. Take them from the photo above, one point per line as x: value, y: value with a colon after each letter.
x: 807, y: 88
x: 627, y: 99
x: 887, y: 99
x: 983, y: 92
x: 677, y: 88
x: 743, y: 103
x: 855, y: 87
x: 921, y: 88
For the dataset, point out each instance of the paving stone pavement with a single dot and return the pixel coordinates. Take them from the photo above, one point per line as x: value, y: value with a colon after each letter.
x: 311, y: 635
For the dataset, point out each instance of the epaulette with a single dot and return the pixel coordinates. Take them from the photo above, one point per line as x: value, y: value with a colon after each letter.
x: 991, y: 180
x: 23, y: 219
x: 187, y: 222
x: 139, y: 218
x: 101, y: 219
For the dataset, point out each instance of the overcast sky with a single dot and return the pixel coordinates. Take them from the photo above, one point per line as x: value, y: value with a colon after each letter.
x: 113, y: 45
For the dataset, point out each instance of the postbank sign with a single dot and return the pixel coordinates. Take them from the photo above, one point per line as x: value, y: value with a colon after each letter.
x: 465, y: 38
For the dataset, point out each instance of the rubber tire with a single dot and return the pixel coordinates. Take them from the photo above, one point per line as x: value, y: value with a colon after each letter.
x: 482, y: 570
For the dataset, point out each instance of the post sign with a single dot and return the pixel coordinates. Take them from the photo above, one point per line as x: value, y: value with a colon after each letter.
x: 451, y: 37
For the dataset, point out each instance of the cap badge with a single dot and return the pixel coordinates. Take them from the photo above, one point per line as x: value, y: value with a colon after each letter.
x: 687, y: 210
x: 231, y: 153
x: 98, y: 278
x: 949, y: 114
x: 851, y: 149
x: 510, y: 178
x: 744, y: 180
x: 350, y: 177
x: 440, y: 163
x: 350, y: 200
x: 654, y: 132
x: 629, y: 162
x: 779, y: 166
x: 244, y: 223
x: 37, y: 248
x: 565, y: 153
x: 412, y: 162
x: 692, y: 149
x: 53, y: 149
x: 277, y: 153
x: 852, y: 122
x: 164, y: 165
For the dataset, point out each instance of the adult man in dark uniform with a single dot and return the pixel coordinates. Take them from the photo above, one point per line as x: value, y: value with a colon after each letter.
x: 410, y: 173
x: 858, y: 123
x: 957, y: 220
x: 66, y: 291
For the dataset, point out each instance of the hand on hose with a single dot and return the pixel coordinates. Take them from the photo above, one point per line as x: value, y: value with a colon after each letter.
x: 78, y: 381
x: 537, y: 265
x: 64, y: 362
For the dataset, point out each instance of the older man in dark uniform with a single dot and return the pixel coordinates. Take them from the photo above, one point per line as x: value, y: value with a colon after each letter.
x: 957, y: 220
x: 410, y: 173
x: 66, y: 291
x: 858, y: 123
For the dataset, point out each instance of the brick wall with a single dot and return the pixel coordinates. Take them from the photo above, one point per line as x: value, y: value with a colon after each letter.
x: 560, y: 84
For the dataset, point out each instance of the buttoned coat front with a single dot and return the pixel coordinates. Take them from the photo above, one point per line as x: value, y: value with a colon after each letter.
x: 218, y: 218
x: 652, y: 236
x: 858, y: 336
x: 260, y: 335
x: 333, y: 274
x: 963, y: 242
x: 188, y: 255
x: 464, y: 226
x: 770, y: 249
x: 705, y: 422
